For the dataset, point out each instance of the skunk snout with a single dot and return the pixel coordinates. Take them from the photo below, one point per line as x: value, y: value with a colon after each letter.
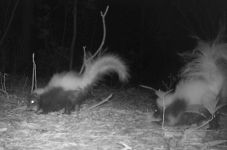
x: 32, y: 102
x: 157, y: 111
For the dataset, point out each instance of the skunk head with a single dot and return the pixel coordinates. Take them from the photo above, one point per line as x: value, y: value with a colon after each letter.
x: 32, y: 102
x: 56, y: 98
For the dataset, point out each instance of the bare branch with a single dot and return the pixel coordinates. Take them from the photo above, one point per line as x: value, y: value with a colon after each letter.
x: 84, y: 60
x: 88, y: 58
x: 34, y: 79
x: 103, y: 15
x: 3, y: 83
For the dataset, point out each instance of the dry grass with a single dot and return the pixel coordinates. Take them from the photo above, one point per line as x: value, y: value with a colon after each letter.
x: 123, y: 123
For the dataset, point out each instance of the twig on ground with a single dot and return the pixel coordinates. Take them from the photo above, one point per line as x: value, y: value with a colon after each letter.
x: 100, y: 103
x: 147, y: 87
x: 126, y: 147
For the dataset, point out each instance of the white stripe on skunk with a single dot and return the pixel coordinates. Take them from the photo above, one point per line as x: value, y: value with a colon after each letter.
x: 203, y: 81
x: 68, y: 89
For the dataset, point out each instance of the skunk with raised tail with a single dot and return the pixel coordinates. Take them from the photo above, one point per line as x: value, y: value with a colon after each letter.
x: 202, y: 82
x: 69, y: 89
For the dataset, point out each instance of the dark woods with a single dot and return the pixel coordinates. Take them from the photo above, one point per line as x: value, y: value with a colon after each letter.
x: 55, y: 31
x: 149, y: 34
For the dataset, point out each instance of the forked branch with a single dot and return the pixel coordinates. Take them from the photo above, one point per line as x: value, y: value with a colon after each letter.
x: 87, y: 57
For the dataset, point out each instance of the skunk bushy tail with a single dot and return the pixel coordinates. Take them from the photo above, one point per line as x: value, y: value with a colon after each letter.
x: 202, y: 81
x: 94, y: 70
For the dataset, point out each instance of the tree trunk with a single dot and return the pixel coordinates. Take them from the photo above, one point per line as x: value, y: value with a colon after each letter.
x: 142, y: 34
x: 24, y: 50
x: 3, y: 53
x: 65, y: 25
x: 74, y: 35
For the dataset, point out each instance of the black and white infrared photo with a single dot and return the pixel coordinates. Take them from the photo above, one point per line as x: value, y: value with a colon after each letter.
x: 113, y: 74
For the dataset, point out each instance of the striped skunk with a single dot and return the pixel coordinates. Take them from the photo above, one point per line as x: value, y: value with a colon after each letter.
x: 202, y: 83
x: 69, y: 89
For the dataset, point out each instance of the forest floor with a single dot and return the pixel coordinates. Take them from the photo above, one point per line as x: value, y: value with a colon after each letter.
x: 125, y: 122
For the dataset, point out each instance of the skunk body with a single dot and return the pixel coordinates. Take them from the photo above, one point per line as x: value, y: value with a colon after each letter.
x: 202, y: 82
x: 69, y: 89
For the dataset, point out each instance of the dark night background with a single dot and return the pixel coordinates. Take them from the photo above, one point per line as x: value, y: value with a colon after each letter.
x: 148, y: 34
